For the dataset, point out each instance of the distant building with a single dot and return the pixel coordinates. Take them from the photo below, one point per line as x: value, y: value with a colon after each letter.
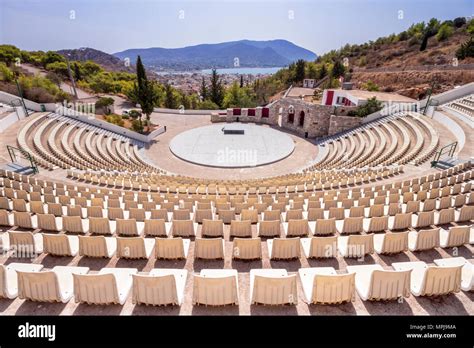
x: 309, y: 83
x: 355, y: 97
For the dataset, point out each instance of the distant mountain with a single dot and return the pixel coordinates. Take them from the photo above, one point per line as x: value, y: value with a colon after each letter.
x: 107, y: 61
x: 273, y: 53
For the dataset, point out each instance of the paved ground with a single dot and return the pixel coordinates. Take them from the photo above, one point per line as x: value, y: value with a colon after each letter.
x: 160, y: 153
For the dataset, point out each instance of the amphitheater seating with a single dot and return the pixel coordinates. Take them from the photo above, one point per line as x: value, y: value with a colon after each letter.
x: 419, y: 214
x: 395, y: 139
x: 373, y: 283
x: 464, y: 105
x: 272, y: 287
x: 159, y: 287
x: 61, y: 142
x: 467, y: 275
x: 216, y: 287
x: 431, y: 280
x: 9, y: 277
x: 49, y: 286
x: 323, y: 285
x: 108, y: 286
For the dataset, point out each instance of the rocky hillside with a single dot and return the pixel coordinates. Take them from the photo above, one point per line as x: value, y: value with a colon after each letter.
x: 107, y: 61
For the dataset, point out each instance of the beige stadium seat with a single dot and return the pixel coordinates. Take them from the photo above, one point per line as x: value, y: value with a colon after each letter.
x: 97, y: 246
x: 356, y: 245
x: 283, y: 248
x: 115, y: 213
x: 56, y: 285
x: 160, y: 214
x: 315, y: 213
x: 138, y: 214
x: 209, y: 248
x: 273, y: 287
x: 297, y: 228
x: 373, y: 283
x: 423, y: 239
x: 227, y: 216
x: 454, y: 236
x: 96, y: 212
x: 319, y: 247
x: 183, y: 228
x: 247, y: 248
x: 467, y: 273
x: 181, y: 214
x: 216, y: 287
x: 293, y: 214
x: 391, y: 243
x: 24, y: 220
x: 444, y: 216
x: 75, y: 224
x: 129, y: 227
x: 212, y: 228
x: 9, y: 278
x: 376, y: 224
x: 134, y: 247
x: 201, y: 214
x: 249, y: 214
x: 108, y: 286
x: 99, y: 225
x: 271, y: 228
x: 325, y: 226
x: 350, y: 225
x: 323, y: 285
x: 157, y: 228
x: 269, y: 215
x: 431, y: 280
x: 60, y: 244
x: 25, y: 244
x: 171, y: 248
x: 240, y: 228
x: 160, y: 287
x: 400, y: 221
x: 466, y: 213
x: 423, y: 219
x: 6, y: 219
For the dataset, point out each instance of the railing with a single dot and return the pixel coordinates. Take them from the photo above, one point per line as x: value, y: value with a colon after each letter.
x: 448, y: 149
x: 27, y: 155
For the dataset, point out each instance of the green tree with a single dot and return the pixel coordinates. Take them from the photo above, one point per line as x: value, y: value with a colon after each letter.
x: 52, y: 57
x: 203, y: 92
x: 76, y: 68
x: 323, y: 71
x: 459, y: 22
x: 338, y: 69
x: 59, y: 68
x: 299, y: 70
x: 170, y: 97
x: 241, y: 81
x: 141, y: 74
x: 465, y: 50
x: 444, y: 32
x: 216, y: 93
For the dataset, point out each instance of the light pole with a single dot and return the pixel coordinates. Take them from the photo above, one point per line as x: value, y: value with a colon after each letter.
x: 71, y: 77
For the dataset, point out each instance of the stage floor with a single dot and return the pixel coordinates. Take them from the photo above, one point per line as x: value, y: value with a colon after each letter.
x: 210, y: 146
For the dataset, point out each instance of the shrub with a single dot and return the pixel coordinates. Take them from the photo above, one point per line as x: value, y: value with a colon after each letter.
x: 444, y: 32
x: 115, y: 119
x: 459, y: 22
x: 137, y: 126
x: 5, y: 73
x: 465, y: 50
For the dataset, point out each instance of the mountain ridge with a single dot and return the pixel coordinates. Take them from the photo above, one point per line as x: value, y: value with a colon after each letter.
x: 243, y: 53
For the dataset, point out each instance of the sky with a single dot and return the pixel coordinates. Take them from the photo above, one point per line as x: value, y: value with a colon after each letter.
x: 116, y: 25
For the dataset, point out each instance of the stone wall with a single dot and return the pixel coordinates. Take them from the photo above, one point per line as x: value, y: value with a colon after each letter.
x: 309, y: 119
x: 341, y: 123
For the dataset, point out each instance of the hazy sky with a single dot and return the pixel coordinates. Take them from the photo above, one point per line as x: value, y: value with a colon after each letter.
x: 115, y: 25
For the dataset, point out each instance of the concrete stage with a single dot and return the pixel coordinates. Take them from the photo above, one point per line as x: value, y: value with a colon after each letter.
x: 232, y: 145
